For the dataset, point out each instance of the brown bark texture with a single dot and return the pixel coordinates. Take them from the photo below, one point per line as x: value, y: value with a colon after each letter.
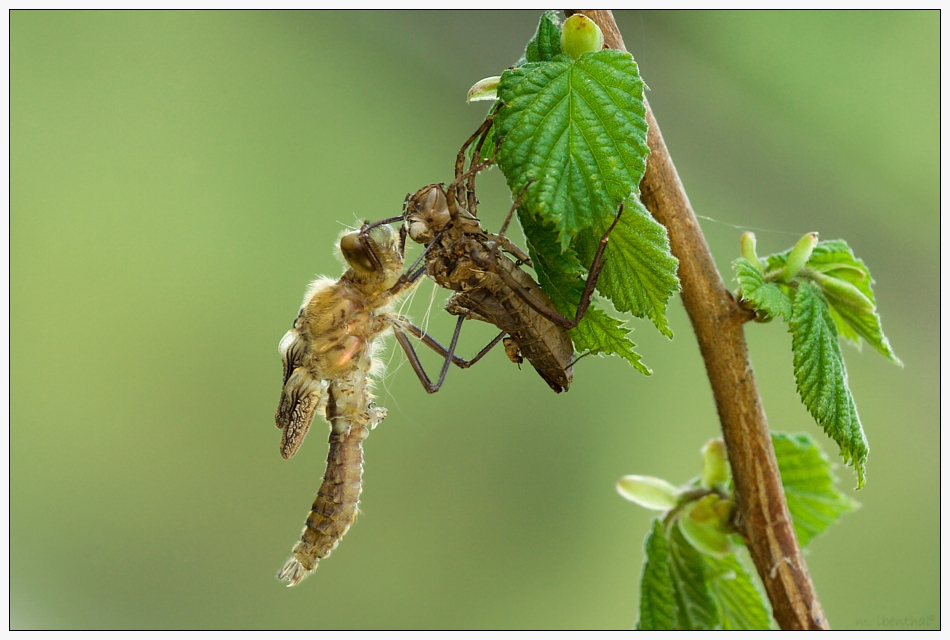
x: 763, y: 518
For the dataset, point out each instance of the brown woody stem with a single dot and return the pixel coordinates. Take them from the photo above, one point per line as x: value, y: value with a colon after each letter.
x: 763, y: 517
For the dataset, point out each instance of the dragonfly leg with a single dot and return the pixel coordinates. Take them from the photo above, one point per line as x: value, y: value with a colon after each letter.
x: 434, y: 344
x: 463, y: 195
x: 455, y: 192
x: 417, y: 365
x: 595, y: 268
x: 507, y: 245
x: 472, y: 199
x: 414, y: 272
x: 592, y: 276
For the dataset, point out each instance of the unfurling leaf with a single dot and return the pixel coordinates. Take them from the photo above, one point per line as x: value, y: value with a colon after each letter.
x: 813, y: 501
x: 834, y: 258
x: 684, y: 589
x: 657, y: 608
x: 695, y: 607
x: 741, y: 605
x: 821, y: 376
x: 546, y: 43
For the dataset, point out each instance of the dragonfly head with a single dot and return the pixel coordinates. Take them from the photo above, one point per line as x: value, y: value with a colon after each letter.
x: 427, y: 213
x: 372, y: 252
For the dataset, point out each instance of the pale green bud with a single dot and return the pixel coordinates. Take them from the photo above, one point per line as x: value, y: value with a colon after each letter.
x: 843, y: 291
x: 747, y: 242
x: 724, y: 510
x: 799, y: 255
x: 703, y: 510
x: 486, y: 89
x: 647, y: 491
x: 839, y: 266
x: 704, y: 533
x: 715, y: 464
x: 580, y: 35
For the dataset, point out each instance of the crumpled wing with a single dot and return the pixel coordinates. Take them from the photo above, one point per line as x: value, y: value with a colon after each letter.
x: 301, y: 396
x: 292, y: 350
x: 300, y: 399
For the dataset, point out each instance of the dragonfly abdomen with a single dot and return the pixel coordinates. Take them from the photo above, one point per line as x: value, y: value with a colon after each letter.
x: 335, y: 506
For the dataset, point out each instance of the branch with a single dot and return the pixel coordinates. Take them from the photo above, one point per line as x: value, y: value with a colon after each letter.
x: 763, y: 517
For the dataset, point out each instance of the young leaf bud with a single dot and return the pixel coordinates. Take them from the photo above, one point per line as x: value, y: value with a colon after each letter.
x: 580, y: 35
x: 843, y: 291
x: 486, y: 89
x: 799, y: 255
x: 747, y: 242
x: 703, y: 510
x: 647, y: 491
x: 706, y: 537
x: 715, y: 464
x: 724, y: 510
x: 839, y: 266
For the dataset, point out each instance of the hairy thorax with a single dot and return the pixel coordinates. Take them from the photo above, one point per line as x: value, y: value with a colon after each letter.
x: 343, y: 331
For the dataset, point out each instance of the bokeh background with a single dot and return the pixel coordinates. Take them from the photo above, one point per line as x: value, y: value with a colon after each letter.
x: 177, y: 178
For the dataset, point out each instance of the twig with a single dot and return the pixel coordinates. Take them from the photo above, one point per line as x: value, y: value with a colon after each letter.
x: 717, y: 319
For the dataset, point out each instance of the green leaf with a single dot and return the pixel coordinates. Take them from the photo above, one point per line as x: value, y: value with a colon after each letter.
x: 578, y: 128
x: 546, y: 43
x: 597, y: 332
x: 813, y: 500
x: 740, y: 604
x: 844, y: 329
x: 834, y: 258
x: 561, y: 276
x: 682, y: 588
x: 866, y: 324
x: 767, y: 296
x: 657, y: 609
x: 821, y: 376
x: 695, y: 607
x: 639, y: 273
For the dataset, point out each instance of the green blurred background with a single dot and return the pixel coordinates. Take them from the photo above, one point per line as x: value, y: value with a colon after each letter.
x: 177, y: 178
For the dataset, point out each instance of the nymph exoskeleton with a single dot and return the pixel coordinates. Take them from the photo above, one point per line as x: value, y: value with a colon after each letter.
x: 461, y: 256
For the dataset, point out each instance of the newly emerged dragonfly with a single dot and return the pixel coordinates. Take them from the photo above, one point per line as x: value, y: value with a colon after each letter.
x: 329, y: 362
x: 461, y: 256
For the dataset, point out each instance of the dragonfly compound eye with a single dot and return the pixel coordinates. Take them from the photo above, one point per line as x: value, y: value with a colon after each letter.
x: 356, y: 255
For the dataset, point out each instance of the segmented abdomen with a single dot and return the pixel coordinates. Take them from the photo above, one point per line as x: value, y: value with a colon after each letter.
x: 335, y: 506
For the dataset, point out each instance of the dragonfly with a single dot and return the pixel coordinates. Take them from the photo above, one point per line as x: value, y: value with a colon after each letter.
x: 489, y: 285
x: 329, y: 362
